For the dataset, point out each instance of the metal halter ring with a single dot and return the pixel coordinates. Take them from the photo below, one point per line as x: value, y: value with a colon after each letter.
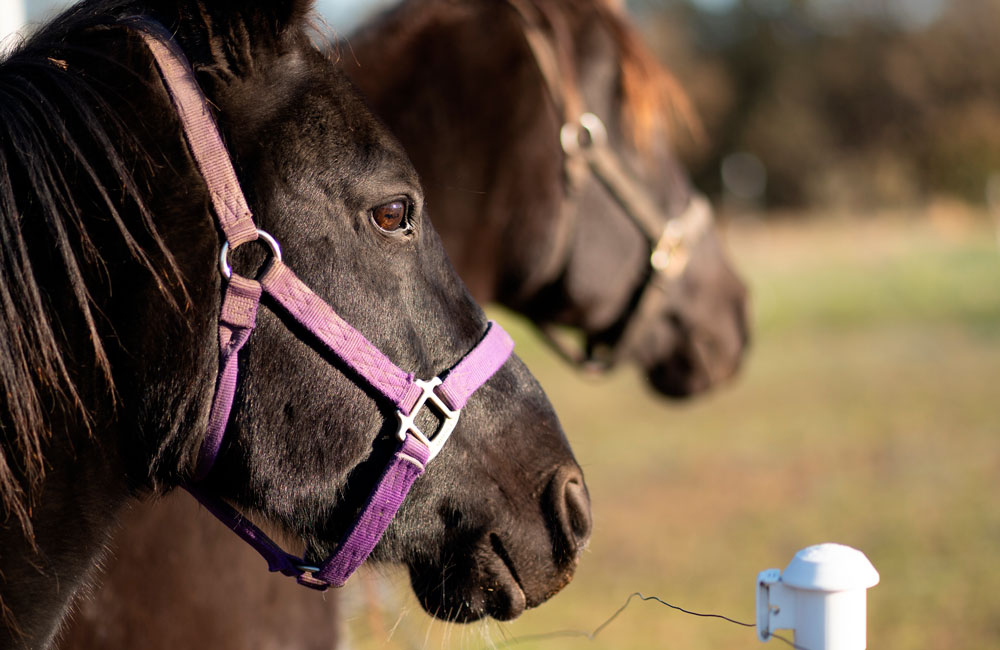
x: 589, y: 124
x: 227, y: 271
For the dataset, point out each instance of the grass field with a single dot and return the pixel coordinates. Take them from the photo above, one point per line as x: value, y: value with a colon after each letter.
x: 868, y: 414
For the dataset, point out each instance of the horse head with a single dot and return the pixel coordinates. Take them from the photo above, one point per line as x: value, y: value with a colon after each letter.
x: 541, y: 131
x: 110, y: 267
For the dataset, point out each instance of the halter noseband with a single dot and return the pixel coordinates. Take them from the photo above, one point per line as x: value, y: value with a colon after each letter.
x: 584, y: 141
x: 445, y: 394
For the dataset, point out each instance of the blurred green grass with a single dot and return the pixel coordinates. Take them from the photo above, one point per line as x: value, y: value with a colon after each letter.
x: 867, y: 414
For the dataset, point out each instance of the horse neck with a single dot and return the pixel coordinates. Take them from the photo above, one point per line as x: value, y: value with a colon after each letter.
x: 75, y: 514
x: 478, y: 126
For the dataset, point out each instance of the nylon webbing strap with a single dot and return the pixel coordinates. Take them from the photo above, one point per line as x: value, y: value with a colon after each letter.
x: 476, y: 367
x: 237, y: 318
x: 202, y: 134
x: 406, y: 466
x: 339, y: 337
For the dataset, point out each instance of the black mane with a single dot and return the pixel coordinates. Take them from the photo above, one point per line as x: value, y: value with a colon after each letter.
x: 68, y: 166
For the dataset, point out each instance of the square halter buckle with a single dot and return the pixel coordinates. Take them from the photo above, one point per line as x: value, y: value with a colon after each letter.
x: 449, y: 418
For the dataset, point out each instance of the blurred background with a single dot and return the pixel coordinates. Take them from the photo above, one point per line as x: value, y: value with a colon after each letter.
x: 846, y: 103
x: 852, y: 148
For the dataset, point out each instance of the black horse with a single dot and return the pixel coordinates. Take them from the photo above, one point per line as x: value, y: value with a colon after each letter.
x: 111, y: 301
x: 461, y: 82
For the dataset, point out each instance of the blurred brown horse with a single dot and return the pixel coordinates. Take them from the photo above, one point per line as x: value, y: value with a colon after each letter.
x: 532, y: 214
x: 541, y: 132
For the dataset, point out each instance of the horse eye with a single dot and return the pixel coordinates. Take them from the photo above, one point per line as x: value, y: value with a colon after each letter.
x: 391, y: 216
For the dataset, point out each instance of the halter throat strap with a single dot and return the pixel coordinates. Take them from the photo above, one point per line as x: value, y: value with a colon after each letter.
x: 446, y: 394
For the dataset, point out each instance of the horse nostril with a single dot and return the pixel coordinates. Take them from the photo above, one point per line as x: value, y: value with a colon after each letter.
x: 578, y: 510
x: 571, y: 509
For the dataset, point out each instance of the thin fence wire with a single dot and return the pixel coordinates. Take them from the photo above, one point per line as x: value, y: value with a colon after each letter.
x: 590, y: 636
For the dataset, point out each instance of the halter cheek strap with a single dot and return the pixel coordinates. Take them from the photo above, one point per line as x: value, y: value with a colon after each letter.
x: 446, y: 394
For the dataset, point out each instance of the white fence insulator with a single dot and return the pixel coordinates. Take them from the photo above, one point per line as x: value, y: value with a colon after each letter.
x: 822, y: 595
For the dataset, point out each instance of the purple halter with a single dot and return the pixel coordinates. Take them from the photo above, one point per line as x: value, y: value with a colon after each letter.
x: 446, y: 394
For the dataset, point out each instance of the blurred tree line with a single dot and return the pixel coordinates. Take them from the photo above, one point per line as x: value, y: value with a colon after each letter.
x: 851, y: 103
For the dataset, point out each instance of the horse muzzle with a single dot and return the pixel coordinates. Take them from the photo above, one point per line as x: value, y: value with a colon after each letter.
x: 508, y: 568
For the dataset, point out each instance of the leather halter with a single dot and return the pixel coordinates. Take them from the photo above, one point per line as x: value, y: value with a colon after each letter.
x: 445, y: 394
x: 584, y: 142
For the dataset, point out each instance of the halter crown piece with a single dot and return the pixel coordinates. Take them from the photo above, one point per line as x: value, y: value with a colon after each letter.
x: 445, y: 394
